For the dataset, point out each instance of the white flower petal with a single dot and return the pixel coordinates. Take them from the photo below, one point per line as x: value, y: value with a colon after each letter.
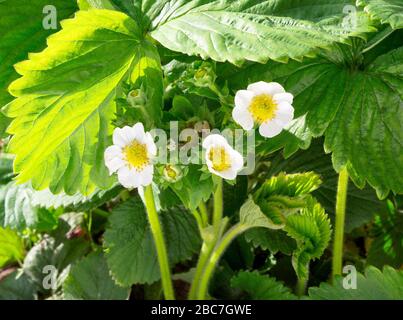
x: 285, y: 108
x: 236, y: 160
x: 146, y: 175
x: 151, y: 147
x: 115, y: 164
x: 286, y: 97
x: 243, y: 98
x: 214, y: 139
x: 284, y: 114
x: 123, y: 136
x: 262, y: 87
x: 243, y: 118
x: 283, y: 118
x: 113, y: 152
x: 270, y: 129
x: 129, y: 178
x: 229, y: 174
x: 138, y: 129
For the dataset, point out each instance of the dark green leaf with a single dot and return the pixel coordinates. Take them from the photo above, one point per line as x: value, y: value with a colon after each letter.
x: 375, y: 285
x: 387, y: 245
x: 362, y: 204
x: 16, y: 286
x: 89, y: 279
x: 60, y: 249
x: 261, y: 287
x: 129, y: 245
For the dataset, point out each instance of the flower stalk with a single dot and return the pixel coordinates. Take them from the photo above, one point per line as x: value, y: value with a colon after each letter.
x: 160, y: 246
x: 218, y: 204
x: 215, y: 256
x: 341, y: 200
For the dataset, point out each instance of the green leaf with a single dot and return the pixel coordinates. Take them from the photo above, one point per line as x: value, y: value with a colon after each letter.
x: 261, y: 287
x: 189, y: 195
x: 251, y: 216
x: 291, y: 185
x: 59, y: 249
x: 236, y: 31
x: 64, y: 102
x: 95, y: 4
x: 4, y: 122
x: 278, y: 197
x: 361, y: 128
x: 89, y: 279
x: 23, y: 32
x: 362, y: 204
x: 147, y: 74
x: 235, y: 195
x: 11, y: 247
x: 129, y: 245
x: 272, y: 240
x: 17, y: 286
x: 387, y: 245
x: 387, y: 11
x: 374, y: 285
x: 77, y: 202
x: 284, y: 194
x: 366, y: 131
x: 311, y: 229
x: 6, y: 168
x: 18, y: 212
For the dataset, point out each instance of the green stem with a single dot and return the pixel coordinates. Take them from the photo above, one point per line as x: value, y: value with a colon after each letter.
x: 378, y: 39
x: 204, y: 254
x: 215, y: 257
x: 206, y: 250
x: 204, y: 213
x: 198, y: 219
x: 162, y: 255
x: 301, y: 287
x: 218, y: 204
x: 341, y: 199
x: 208, y: 245
x: 302, y: 284
x: 102, y: 213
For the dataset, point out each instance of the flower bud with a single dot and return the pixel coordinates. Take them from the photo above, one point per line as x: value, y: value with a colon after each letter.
x: 137, y: 98
x: 172, y: 173
x: 204, y: 75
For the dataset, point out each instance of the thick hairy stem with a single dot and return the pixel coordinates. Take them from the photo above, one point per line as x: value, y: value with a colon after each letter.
x: 218, y: 204
x: 160, y: 246
x: 340, y: 218
x: 204, y: 213
x: 206, y: 250
x: 215, y: 257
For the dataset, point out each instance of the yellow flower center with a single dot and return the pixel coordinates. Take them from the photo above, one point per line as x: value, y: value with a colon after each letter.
x: 137, y: 155
x: 220, y: 159
x: 263, y: 108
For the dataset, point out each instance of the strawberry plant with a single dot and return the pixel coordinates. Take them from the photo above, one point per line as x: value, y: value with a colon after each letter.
x: 201, y: 149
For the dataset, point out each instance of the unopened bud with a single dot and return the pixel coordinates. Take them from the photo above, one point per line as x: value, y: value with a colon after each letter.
x: 205, y: 75
x: 172, y: 173
x: 137, y: 98
x: 201, y: 125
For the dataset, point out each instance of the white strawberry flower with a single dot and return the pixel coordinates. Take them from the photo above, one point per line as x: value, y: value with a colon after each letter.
x: 266, y: 104
x: 131, y: 156
x: 221, y: 159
